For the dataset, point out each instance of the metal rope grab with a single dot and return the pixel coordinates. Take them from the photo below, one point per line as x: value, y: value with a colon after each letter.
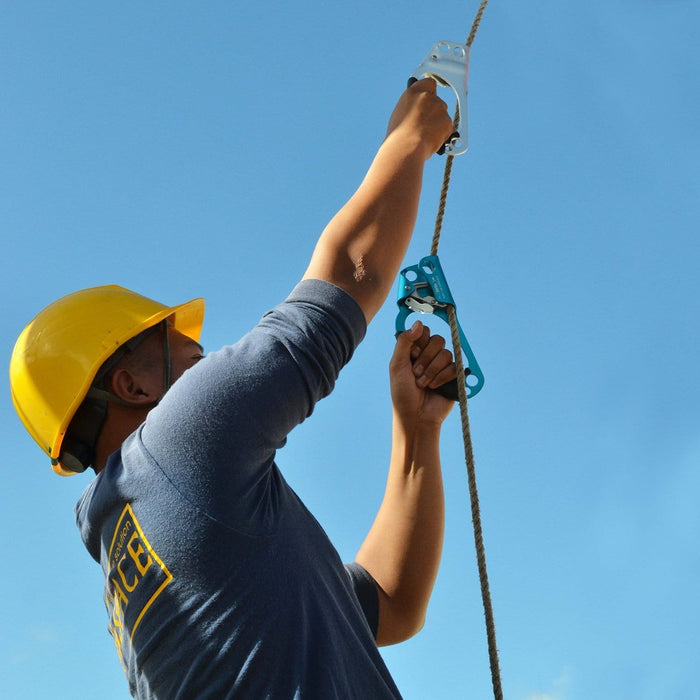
x: 443, y: 305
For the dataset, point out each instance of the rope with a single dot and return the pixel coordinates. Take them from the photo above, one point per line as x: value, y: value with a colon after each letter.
x: 462, y: 395
x: 476, y: 512
x: 443, y: 193
x: 476, y: 23
x: 455, y: 124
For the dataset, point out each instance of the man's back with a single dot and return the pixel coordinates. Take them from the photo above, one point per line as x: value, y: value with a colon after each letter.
x: 220, y: 583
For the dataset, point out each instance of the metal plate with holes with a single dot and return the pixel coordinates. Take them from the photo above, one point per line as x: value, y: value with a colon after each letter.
x: 448, y: 64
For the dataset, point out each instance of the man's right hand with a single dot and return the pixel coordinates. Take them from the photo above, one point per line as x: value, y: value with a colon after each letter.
x: 421, y: 118
x: 420, y: 364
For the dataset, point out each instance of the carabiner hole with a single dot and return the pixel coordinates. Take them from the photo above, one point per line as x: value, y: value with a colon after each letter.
x: 411, y: 275
x: 443, y: 46
x: 433, y: 324
x: 429, y: 268
x: 459, y: 51
x: 471, y: 380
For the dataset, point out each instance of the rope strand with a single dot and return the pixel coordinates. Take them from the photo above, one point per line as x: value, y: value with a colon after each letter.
x: 466, y: 434
x: 476, y: 511
x: 443, y: 192
x: 476, y: 23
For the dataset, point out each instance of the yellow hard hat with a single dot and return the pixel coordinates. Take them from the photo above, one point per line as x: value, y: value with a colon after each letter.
x: 58, y: 354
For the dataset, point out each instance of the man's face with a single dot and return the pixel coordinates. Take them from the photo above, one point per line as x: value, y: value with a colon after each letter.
x: 146, y: 365
x: 184, y: 353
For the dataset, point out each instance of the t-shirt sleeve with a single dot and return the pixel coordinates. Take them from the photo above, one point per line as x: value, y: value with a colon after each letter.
x: 216, y: 431
x: 366, y: 590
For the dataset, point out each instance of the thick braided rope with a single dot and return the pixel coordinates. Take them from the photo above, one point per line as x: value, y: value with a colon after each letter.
x: 476, y: 512
x: 455, y: 123
x: 443, y: 193
x: 466, y: 434
x: 476, y: 22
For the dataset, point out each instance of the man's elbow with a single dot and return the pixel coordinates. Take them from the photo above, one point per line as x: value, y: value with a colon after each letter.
x: 355, y: 275
x: 365, y: 283
x: 400, y: 625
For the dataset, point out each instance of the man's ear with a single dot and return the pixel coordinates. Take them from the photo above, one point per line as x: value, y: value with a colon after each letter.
x: 130, y: 389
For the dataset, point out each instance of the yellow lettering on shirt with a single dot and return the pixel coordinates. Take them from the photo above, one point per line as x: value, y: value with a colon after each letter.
x: 136, y: 577
x: 137, y: 551
x: 122, y: 575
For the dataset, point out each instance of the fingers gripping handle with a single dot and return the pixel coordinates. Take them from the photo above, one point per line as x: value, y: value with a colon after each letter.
x: 448, y: 64
x: 423, y: 289
x: 454, y: 138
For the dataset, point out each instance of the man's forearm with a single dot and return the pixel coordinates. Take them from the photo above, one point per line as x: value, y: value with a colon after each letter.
x: 403, y: 548
x: 363, y: 246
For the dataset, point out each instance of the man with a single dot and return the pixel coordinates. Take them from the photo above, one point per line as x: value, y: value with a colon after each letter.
x: 218, y: 582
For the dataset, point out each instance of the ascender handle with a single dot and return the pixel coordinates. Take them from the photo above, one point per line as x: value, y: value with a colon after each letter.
x: 448, y: 64
x: 422, y: 288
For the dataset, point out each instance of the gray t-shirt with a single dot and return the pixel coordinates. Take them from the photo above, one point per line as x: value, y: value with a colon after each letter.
x: 219, y: 583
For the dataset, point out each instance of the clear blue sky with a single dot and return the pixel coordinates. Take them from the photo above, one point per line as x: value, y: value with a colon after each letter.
x: 187, y: 149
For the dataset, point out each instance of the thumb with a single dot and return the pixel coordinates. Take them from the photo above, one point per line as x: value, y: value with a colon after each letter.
x: 411, y: 335
x: 405, y: 340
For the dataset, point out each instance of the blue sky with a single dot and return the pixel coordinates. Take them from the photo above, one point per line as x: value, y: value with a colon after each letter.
x: 187, y: 149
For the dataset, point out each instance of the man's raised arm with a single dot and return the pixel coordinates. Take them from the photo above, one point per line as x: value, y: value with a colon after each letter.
x: 364, y: 244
